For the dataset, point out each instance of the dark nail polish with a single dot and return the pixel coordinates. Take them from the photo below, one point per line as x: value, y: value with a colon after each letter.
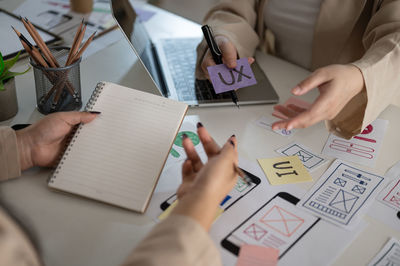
x: 184, y: 136
x: 233, y: 136
x: 199, y: 125
x: 231, y: 142
x: 95, y: 112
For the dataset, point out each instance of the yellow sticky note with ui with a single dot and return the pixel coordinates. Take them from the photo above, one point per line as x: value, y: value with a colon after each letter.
x: 284, y: 170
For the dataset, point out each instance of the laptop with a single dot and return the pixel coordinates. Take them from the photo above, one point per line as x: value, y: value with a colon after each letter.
x: 171, y: 63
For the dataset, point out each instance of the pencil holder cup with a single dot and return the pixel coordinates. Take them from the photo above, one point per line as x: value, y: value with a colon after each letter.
x: 58, y: 89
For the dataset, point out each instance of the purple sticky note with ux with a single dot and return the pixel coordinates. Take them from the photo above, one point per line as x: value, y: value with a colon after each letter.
x: 225, y: 79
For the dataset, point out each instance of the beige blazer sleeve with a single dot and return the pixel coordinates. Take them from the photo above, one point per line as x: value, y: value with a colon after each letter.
x: 9, y: 158
x: 236, y: 20
x: 380, y: 67
x: 178, y: 240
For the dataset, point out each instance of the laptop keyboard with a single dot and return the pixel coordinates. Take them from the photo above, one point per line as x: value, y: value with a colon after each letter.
x: 181, y: 58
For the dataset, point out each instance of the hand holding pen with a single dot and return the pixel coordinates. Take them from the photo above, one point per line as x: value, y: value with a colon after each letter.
x: 221, y: 50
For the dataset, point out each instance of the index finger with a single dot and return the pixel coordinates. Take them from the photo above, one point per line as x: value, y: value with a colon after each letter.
x: 210, y: 146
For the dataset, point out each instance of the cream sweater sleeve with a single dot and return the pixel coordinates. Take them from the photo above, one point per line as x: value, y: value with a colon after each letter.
x: 380, y: 67
x: 236, y: 20
x: 178, y: 240
x: 9, y: 159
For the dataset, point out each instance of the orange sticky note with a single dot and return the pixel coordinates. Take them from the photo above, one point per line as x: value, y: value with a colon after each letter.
x: 253, y: 255
x: 294, y: 101
x: 284, y: 170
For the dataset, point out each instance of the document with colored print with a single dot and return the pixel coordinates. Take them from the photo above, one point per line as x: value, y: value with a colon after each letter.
x: 341, y: 193
x: 362, y: 149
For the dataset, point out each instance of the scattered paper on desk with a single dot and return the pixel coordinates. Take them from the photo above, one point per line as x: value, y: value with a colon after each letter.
x: 144, y: 15
x: 284, y: 170
x: 267, y: 121
x: 390, y: 196
x: 310, y: 160
x: 294, y: 101
x: 225, y: 79
x: 362, y: 149
x: 171, y: 207
x: 341, y: 194
x: 253, y: 255
x: 389, y: 254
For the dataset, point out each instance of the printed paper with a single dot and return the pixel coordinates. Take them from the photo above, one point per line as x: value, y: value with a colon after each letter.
x: 390, y: 196
x: 279, y: 224
x: 226, y: 79
x: 267, y: 121
x: 171, y: 207
x: 362, y: 149
x: 284, y: 170
x: 310, y: 160
x: 295, y: 101
x: 389, y: 255
x: 253, y: 255
x: 341, y: 194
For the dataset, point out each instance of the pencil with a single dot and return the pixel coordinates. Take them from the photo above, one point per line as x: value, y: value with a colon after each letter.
x: 85, y: 45
x: 39, y: 41
x: 242, y: 175
x: 78, y: 31
x: 106, y: 31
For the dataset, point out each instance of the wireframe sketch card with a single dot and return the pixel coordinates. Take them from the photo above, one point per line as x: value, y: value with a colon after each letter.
x: 341, y: 193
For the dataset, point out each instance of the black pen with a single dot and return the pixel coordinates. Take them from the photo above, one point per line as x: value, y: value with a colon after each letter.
x: 216, y: 54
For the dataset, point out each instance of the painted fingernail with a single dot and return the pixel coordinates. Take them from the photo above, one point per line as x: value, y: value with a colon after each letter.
x: 184, y: 136
x: 233, y: 136
x: 95, y: 112
x: 199, y: 125
x: 297, y: 90
x: 231, y: 142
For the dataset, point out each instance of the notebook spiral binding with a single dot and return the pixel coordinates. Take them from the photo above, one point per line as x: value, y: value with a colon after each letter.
x: 77, y: 129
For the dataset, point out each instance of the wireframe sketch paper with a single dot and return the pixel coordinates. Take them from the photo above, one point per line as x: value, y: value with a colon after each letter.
x: 341, y: 194
x: 300, y: 104
x: 310, y: 159
x: 389, y: 254
x: 284, y: 170
x: 390, y: 196
x: 254, y: 255
x: 267, y: 121
x: 362, y: 149
x: 225, y: 79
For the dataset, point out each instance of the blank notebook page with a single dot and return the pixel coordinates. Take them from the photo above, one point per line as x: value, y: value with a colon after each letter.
x: 118, y: 157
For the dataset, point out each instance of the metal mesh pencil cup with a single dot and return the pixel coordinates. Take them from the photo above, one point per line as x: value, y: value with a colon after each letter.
x: 58, y: 89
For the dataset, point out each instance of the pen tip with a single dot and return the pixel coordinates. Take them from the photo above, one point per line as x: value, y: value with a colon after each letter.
x: 83, y: 20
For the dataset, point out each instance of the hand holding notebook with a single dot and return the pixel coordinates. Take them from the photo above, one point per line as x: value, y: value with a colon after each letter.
x: 119, y: 156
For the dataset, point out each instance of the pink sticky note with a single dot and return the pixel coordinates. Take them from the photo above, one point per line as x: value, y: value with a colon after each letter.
x: 253, y: 255
x: 294, y: 101
x: 225, y: 79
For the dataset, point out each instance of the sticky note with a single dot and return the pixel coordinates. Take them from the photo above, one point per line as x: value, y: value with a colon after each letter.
x: 225, y: 79
x: 295, y: 101
x: 144, y: 15
x: 171, y: 207
x: 284, y: 170
x: 253, y: 255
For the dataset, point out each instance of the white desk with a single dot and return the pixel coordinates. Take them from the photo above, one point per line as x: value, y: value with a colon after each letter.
x: 77, y: 231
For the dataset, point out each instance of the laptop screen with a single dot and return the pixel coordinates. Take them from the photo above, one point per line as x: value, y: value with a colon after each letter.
x: 125, y: 15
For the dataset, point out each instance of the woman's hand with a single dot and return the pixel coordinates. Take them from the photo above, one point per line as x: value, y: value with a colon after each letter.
x: 205, y: 186
x: 41, y: 143
x: 337, y: 85
x: 229, y: 55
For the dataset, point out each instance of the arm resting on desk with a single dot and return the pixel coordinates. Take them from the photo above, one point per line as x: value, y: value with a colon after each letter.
x: 9, y: 158
x: 178, y: 240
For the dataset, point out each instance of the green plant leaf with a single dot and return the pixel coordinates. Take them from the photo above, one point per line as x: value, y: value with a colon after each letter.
x: 1, y: 64
x: 11, y: 74
x: 8, y: 64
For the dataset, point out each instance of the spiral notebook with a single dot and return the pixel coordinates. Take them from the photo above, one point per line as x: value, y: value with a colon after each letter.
x: 118, y: 157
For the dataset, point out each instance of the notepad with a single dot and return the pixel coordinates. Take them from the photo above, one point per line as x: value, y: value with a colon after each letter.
x: 118, y: 157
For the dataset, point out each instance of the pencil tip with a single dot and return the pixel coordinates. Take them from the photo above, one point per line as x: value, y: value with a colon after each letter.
x: 83, y: 20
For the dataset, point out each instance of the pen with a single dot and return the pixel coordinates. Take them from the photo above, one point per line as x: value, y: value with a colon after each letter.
x: 216, y: 54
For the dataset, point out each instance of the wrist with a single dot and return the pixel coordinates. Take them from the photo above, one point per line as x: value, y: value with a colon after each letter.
x: 24, y: 149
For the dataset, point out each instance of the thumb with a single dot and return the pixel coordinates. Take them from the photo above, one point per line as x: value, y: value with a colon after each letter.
x: 228, y: 50
x: 316, y: 79
x: 74, y: 118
